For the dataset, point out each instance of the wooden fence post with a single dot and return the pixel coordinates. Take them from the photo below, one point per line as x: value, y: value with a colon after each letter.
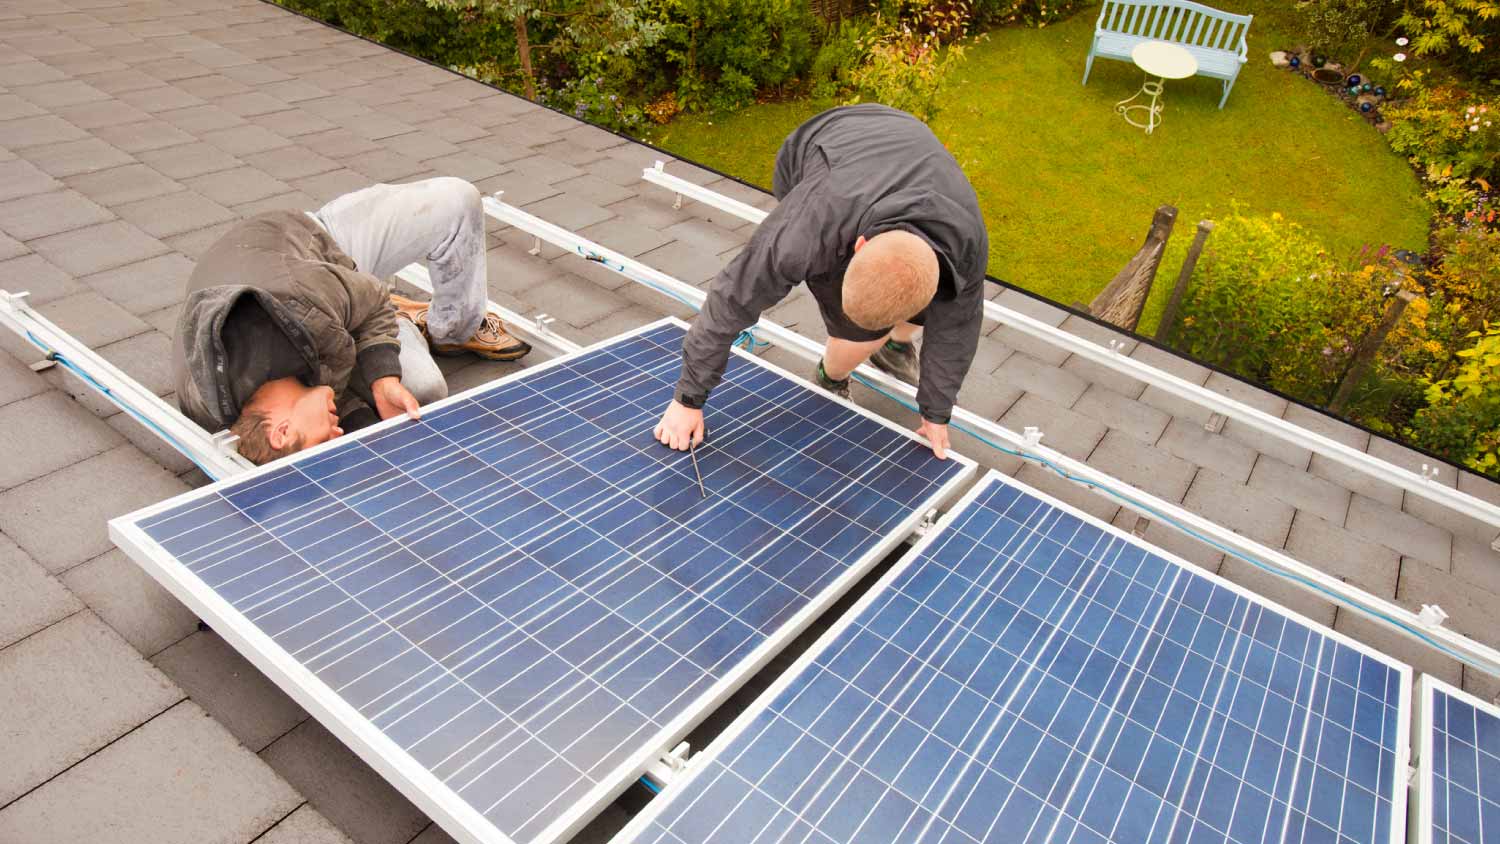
x: 1121, y: 301
x: 1365, y: 354
x: 1168, y: 324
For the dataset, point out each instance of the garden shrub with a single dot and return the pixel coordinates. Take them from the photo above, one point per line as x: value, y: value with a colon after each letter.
x: 1268, y: 302
x: 1343, y: 28
x: 1451, y: 136
x: 1462, y: 417
x: 1036, y: 13
x: 443, y: 35
x: 1466, y: 32
x: 845, y: 47
x: 725, y: 50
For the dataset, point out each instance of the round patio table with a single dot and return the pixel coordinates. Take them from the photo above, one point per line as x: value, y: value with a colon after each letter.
x: 1164, y: 61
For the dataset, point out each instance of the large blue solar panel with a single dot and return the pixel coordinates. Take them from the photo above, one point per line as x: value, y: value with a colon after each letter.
x: 1459, y: 784
x: 527, y: 594
x: 1030, y: 675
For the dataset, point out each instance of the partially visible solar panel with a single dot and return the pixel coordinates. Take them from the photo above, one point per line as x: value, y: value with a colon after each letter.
x: 1028, y: 674
x: 511, y: 605
x: 1458, y: 785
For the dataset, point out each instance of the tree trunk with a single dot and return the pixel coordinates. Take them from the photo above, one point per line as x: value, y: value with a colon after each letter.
x: 523, y: 49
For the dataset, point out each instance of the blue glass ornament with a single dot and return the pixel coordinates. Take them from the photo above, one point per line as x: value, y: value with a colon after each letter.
x: 1296, y: 62
x: 1354, y: 80
x: 1365, y: 107
x: 1379, y: 91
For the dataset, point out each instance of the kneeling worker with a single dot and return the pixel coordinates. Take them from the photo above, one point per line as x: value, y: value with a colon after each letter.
x: 289, y: 335
x: 881, y: 223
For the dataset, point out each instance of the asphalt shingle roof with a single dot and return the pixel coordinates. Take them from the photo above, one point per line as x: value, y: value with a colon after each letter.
x: 134, y: 132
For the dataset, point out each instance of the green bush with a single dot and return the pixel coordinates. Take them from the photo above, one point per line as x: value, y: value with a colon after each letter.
x: 1341, y: 27
x: 1462, y: 417
x: 1037, y: 13
x: 445, y: 36
x: 1450, y: 135
x: 1268, y: 302
x: 844, y: 49
x: 723, y: 51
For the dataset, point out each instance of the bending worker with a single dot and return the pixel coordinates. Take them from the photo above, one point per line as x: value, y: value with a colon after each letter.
x: 879, y: 221
x: 290, y: 335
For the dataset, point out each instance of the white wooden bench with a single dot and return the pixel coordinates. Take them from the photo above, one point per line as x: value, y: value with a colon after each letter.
x: 1216, y: 39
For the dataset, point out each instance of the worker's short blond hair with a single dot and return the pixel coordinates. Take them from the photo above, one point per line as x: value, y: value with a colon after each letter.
x: 889, y: 280
x: 254, y: 430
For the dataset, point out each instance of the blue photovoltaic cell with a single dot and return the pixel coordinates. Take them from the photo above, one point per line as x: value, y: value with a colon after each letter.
x: 523, y: 588
x: 1033, y: 677
x: 1465, y: 764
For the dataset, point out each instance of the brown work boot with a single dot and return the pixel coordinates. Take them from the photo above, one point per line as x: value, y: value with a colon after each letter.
x: 412, y: 310
x: 490, y: 342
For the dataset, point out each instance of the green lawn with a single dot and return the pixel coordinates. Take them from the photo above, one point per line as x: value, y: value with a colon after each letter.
x: 1068, y: 188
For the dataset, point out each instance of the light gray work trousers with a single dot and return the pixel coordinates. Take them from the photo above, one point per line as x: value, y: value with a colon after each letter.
x: 439, y: 222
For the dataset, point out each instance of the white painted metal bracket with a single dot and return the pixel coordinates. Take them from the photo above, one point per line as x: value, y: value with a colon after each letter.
x: 1220, y: 405
x: 1398, y: 618
x: 669, y: 766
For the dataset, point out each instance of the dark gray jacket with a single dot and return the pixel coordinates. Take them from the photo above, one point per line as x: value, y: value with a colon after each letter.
x: 340, y: 320
x: 852, y: 171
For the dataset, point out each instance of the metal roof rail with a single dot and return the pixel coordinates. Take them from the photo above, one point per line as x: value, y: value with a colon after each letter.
x: 1421, y: 484
x: 1028, y: 445
x: 213, y: 453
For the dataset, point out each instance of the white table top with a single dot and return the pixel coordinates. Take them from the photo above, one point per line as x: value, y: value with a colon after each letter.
x: 1164, y: 59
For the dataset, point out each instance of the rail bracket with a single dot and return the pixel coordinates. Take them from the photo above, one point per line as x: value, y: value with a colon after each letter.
x: 669, y: 765
x: 1432, y: 616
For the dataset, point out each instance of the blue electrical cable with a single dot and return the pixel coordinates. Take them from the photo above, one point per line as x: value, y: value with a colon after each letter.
x: 649, y: 787
x: 54, y: 355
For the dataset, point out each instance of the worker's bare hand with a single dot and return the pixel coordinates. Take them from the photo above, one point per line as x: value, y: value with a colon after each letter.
x: 393, y: 399
x: 936, y: 436
x: 680, y: 427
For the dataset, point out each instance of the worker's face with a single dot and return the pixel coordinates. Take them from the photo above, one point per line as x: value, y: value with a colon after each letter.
x: 298, y: 414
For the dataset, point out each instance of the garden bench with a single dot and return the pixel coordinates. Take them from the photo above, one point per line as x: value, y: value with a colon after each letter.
x: 1216, y: 39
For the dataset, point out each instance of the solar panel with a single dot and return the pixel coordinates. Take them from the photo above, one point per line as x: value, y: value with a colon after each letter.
x: 1458, y: 767
x: 1028, y: 673
x: 512, y: 605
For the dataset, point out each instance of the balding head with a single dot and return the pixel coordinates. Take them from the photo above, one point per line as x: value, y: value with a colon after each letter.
x: 891, y: 278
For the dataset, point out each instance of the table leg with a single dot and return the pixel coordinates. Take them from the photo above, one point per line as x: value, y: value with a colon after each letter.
x: 1153, y: 109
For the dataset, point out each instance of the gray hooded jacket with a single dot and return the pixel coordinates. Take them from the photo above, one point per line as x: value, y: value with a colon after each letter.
x: 340, y: 320
x: 852, y: 171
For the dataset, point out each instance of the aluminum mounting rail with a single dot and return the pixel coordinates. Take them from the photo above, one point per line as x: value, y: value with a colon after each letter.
x: 1420, y: 484
x: 215, y: 455
x: 1422, y: 627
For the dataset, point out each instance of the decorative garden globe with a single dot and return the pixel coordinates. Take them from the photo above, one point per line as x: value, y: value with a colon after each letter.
x: 1354, y: 80
x: 1319, y: 61
x: 1379, y: 91
x: 1295, y: 62
x: 1365, y: 107
x: 1366, y: 88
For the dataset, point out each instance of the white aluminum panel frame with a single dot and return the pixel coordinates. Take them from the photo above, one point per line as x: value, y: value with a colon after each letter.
x: 1380, y: 610
x: 1421, y: 786
x: 696, y: 765
x: 1353, y: 458
x: 432, y: 796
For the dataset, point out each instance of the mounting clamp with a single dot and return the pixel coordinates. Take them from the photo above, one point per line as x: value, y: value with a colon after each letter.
x: 226, y: 442
x: 1429, y: 472
x: 543, y: 324
x: 929, y: 521
x: 1432, y: 616
x: 1031, y: 437
x: 668, y: 766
